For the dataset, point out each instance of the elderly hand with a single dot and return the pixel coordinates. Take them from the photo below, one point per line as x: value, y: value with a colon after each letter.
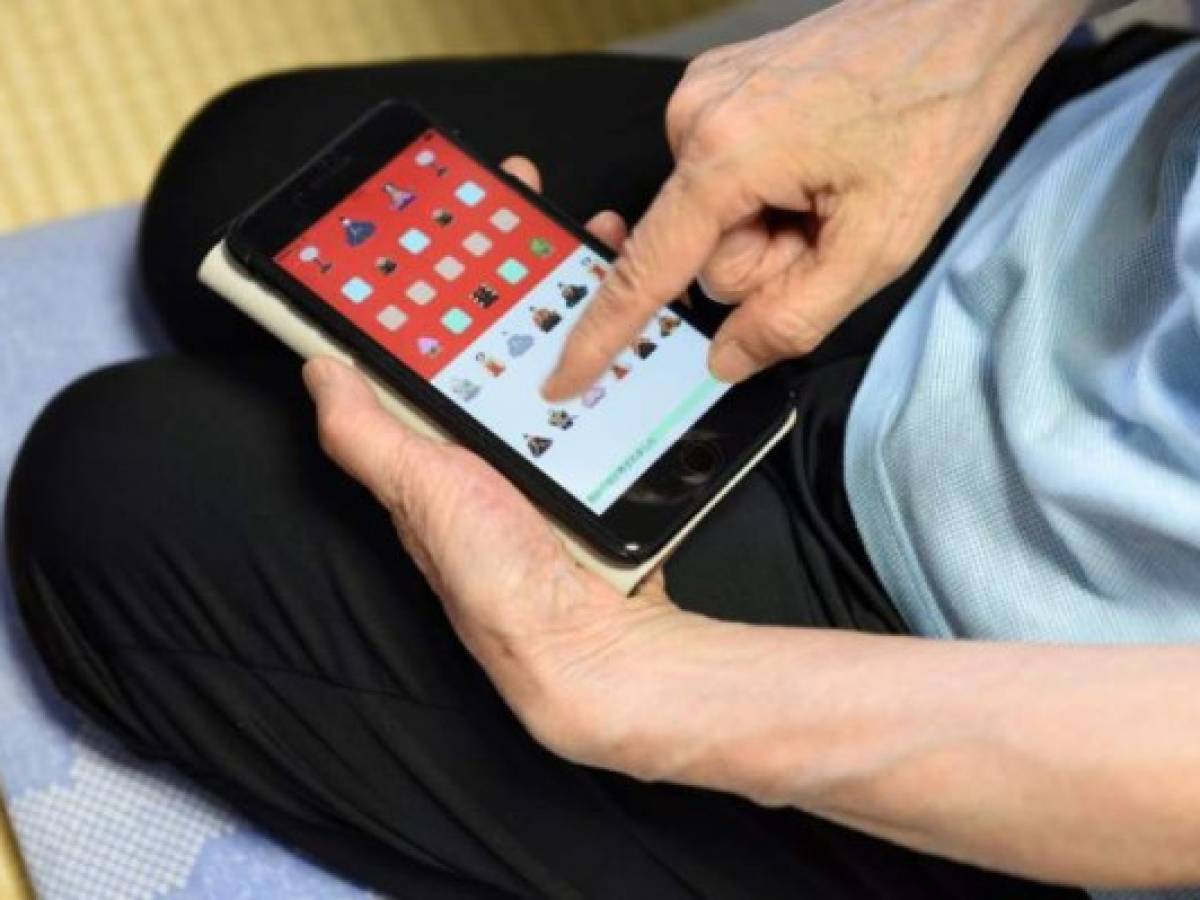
x: 813, y: 165
x: 556, y: 640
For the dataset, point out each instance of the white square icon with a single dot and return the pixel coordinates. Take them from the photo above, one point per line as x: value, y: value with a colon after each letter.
x: 414, y: 240
x: 421, y: 292
x: 449, y: 268
x: 504, y: 219
x: 477, y: 243
x: 392, y: 318
x: 356, y: 290
x: 470, y: 193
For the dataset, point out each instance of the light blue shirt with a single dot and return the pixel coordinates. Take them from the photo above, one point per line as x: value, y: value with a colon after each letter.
x: 1023, y: 457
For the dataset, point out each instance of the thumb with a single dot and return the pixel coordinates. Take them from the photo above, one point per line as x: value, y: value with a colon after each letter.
x: 356, y: 431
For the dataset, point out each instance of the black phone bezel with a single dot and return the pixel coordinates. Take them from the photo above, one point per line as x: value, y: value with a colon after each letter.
x: 626, y: 532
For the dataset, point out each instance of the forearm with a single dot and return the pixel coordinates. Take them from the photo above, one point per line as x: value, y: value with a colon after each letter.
x: 1074, y: 764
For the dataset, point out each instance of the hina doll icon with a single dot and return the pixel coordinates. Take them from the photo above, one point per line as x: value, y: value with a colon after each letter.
x: 592, y: 396
x: 545, y: 318
x: 484, y: 295
x: 643, y: 347
x: 518, y: 344
x: 560, y: 418
x: 465, y: 389
x: 312, y: 255
x: 537, y: 444
x: 572, y: 294
x: 398, y: 198
x: 357, y: 230
x: 490, y: 364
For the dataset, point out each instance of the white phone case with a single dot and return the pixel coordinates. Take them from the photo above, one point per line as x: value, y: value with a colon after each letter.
x: 221, y: 273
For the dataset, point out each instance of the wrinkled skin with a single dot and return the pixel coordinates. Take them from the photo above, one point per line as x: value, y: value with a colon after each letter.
x: 547, y: 631
x: 813, y: 165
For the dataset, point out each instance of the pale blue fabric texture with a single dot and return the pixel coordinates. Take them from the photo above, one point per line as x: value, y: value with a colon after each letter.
x: 1023, y: 457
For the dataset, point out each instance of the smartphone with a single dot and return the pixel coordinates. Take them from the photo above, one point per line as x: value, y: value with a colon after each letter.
x: 456, y: 286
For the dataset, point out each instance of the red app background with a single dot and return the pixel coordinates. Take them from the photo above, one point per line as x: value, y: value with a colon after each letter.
x: 434, y: 185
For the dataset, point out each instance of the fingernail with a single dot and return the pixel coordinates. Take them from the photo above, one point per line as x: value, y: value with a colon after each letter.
x: 729, y: 362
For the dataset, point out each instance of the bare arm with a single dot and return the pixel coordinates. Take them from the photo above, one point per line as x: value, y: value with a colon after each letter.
x: 1078, y: 764
x: 1072, y: 764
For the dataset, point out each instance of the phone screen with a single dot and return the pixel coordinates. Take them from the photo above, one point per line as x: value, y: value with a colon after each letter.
x: 472, y: 286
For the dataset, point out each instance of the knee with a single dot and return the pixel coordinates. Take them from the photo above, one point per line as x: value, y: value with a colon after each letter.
x: 218, y: 141
x: 233, y: 150
x: 114, y: 488
x: 63, y: 501
x: 109, y: 481
x: 62, y: 517
x: 69, y: 474
x: 50, y: 466
x: 126, y: 463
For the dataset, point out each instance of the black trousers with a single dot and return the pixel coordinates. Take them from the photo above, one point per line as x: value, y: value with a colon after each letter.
x: 205, y: 585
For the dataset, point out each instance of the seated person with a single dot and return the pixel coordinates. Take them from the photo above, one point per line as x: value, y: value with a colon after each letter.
x: 1014, y: 459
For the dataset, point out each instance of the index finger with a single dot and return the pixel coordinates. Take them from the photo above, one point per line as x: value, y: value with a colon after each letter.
x: 659, y: 260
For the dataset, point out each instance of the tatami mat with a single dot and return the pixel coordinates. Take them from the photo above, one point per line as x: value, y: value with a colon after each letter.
x: 91, y: 91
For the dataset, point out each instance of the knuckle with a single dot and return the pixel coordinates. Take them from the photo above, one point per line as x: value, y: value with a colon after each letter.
x: 693, y: 190
x: 721, y: 285
x: 894, y: 260
x: 790, y: 331
x: 702, y: 61
x: 714, y: 58
x: 776, y: 333
x: 697, y: 69
x: 688, y: 103
x: 622, y: 286
x: 730, y: 274
x: 763, y: 83
x: 681, y: 107
x: 714, y: 132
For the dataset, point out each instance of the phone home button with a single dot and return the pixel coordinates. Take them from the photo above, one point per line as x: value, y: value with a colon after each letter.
x: 699, y: 459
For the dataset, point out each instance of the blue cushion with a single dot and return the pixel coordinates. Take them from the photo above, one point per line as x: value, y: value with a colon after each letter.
x: 92, y: 821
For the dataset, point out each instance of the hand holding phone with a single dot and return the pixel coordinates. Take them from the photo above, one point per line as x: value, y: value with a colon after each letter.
x: 455, y: 285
